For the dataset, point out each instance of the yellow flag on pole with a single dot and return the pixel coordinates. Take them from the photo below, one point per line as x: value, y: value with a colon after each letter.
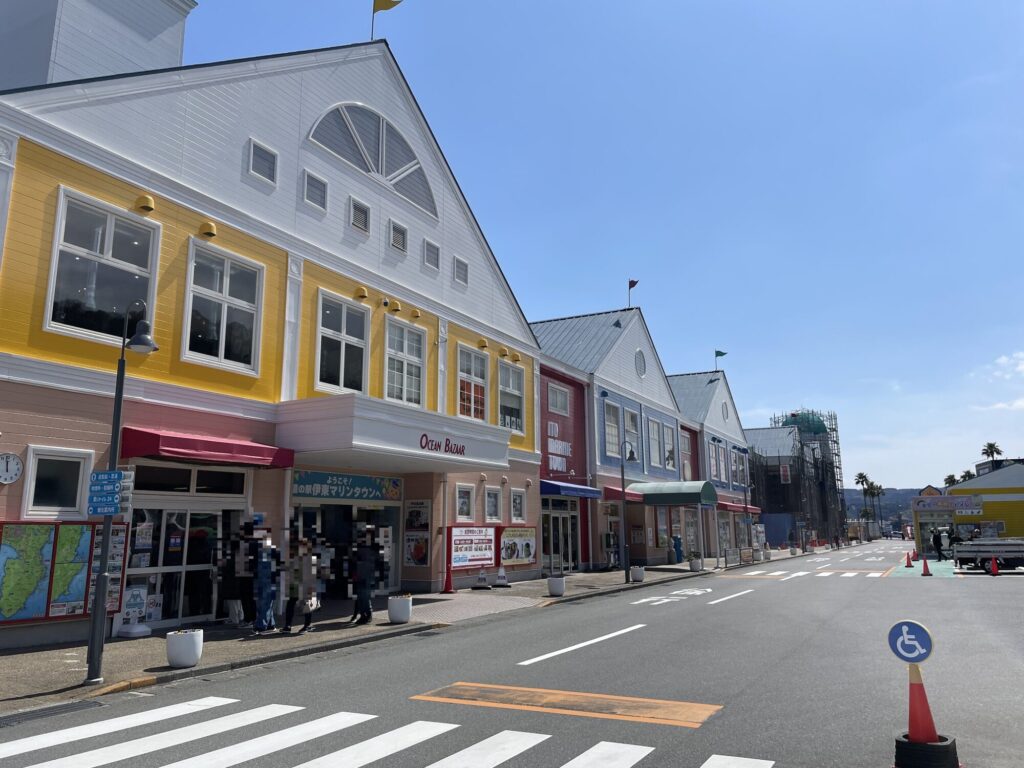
x: 384, y: 5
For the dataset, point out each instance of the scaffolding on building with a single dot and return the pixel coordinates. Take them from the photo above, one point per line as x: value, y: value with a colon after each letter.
x: 817, y: 428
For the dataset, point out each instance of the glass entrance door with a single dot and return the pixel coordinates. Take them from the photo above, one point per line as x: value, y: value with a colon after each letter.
x: 560, y: 542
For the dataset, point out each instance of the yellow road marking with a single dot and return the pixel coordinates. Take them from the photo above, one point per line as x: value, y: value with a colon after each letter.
x: 652, y: 711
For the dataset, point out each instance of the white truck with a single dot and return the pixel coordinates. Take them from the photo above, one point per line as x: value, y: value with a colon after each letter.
x: 1009, y: 554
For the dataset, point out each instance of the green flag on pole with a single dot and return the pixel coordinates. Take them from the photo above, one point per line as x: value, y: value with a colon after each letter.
x: 720, y: 353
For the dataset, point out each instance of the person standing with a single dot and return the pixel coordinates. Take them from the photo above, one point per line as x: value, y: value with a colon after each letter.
x: 302, y: 589
x: 937, y: 543
x: 267, y: 569
x: 363, y: 572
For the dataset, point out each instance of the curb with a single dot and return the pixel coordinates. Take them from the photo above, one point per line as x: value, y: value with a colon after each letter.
x: 622, y: 588
x: 308, y: 650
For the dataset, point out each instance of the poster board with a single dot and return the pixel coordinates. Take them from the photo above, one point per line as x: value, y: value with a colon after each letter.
x: 48, y: 569
x: 518, y: 546
x: 472, y: 547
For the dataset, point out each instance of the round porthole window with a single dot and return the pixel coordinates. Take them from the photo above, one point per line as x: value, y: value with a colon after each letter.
x: 641, y: 363
x: 725, y: 411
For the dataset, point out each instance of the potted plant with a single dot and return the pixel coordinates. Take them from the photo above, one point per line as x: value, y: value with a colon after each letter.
x: 556, y: 585
x: 636, y: 573
x: 400, y: 609
x: 184, y: 647
x: 695, y: 561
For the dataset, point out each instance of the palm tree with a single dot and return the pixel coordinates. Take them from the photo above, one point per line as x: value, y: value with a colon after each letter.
x: 950, y: 480
x: 875, y: 491
x: 991, y: 450
x: 966, y: 475
x: 863, y: 481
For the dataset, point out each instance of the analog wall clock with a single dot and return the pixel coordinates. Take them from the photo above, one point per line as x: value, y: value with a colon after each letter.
x: 10, y: 468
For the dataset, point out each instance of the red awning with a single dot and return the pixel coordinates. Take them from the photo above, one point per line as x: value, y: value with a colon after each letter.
x: 155, y: 444
x: 750, y: 509
x: 611, y: 493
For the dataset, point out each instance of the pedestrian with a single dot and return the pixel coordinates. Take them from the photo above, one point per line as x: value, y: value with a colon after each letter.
x: 363, y: 570
x: 302, y: 585
x: 937, y: 544
x: 267, y: 574
x: 835, y: 541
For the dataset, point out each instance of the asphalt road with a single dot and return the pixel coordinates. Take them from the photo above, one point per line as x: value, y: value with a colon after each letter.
x: 763, y: 666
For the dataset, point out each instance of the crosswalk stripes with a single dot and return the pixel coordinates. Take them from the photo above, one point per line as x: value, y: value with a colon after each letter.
x: 494, y: 751
x: 66, y: 735
x: 847, y: 575
x: 826, y: 573
x: 795, y: 575
x: 876, y: 575
x: 273, y: 742
x: 490, y: 752
x: 754, y: 573
x: 158, y: 741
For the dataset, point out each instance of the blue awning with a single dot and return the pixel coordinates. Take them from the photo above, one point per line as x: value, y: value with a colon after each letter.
x: 553, y: 488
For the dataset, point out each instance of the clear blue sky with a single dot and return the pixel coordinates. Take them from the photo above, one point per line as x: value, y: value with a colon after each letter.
x: 830, y: 191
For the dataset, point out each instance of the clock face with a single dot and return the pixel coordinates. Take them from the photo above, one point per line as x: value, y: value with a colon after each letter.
x: 10, y: 468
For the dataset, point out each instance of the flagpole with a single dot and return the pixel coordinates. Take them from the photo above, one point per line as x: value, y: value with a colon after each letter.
x: 373, y: 18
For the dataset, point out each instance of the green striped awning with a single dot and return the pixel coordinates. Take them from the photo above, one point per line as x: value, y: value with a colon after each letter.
x: 676, y: 492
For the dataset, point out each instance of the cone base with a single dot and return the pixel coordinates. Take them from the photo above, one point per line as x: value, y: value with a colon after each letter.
x: 939, y: 754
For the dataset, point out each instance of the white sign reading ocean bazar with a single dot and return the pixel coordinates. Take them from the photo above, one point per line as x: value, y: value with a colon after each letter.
x: 472, y: 547
x: 960, y: 505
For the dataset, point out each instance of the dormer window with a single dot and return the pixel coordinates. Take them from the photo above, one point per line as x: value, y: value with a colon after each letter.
x: 362, y: 137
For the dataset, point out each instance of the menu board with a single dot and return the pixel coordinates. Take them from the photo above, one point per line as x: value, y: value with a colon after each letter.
x: 518, y: 546
x: 472, y: 547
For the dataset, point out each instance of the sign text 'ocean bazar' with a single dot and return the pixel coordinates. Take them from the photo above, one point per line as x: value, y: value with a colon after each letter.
x: 447, y: 445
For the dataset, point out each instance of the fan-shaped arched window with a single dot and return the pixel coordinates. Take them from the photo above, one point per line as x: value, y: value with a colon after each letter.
x: 374, y: 146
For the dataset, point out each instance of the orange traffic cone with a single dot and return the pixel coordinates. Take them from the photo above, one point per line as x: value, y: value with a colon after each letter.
x: 995, y: 567
x: 921, y: 728
x: 914, y: 556
x: 909, y: 564
x: 924, y: 568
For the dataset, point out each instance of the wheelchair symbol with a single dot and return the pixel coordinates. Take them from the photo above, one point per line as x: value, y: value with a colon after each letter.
x: 910, y: 641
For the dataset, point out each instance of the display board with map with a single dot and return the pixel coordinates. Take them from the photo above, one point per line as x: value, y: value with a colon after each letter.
x: 47, y: 568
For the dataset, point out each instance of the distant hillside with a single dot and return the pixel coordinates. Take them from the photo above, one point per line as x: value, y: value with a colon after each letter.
x: 894, y: 503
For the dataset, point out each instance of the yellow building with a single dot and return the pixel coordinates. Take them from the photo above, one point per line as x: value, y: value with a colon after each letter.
x: 1002, y: 495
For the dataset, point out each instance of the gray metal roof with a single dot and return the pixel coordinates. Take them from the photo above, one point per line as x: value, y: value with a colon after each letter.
x: 774, y: 441
x: 582, y: 341
x: 695, y: 392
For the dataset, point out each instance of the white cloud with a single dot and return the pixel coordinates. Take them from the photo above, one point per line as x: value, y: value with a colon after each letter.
x: 1013, y: 405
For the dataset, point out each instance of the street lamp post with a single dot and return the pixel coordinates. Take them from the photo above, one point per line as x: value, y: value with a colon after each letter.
x: 623, y: 544
x: 142, y: 342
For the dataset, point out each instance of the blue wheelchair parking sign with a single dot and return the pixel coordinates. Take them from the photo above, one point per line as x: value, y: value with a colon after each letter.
x: 910, y: 642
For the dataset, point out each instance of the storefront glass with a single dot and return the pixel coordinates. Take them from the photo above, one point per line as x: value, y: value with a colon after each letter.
x: 560, y: 546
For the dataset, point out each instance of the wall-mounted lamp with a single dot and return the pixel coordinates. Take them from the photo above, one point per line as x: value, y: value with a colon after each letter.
x: 145, y: 203
x: 396, y: 306
x: 361, y: 292
x: 482, y: 343
x: 516, y: 357
x: 415, y: 313
x: 528, y: 482
x: 208, y: 229
x: 483, y: 478
x: 503, y: 351
x: 504, y: 480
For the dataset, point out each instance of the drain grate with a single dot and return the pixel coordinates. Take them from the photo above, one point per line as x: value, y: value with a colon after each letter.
x: 39, y: 714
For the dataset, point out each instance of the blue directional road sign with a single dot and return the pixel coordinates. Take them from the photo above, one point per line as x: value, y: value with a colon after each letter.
x: 115, y: 476
x: 104, y: 487
x: 105, y: 509
x: 910, y: 641
x: 105, y: 498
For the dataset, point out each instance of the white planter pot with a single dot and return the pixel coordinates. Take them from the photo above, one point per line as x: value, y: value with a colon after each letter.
x: 767, y: 554
x: 758, y: 555
x: 793, y: 550
x: 556, y: 586
x: 184, y: 647
x: 697, y: 565
x: 400, y: 609
x: 636, y: 573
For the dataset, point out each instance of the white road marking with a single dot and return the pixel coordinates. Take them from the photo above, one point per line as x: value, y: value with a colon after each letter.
x: 608, y: 754
x: 844, y: 560
x: 820, y: 567
x: 777, y: 573
x: 755, y: 573
x: 847, y: 575
x: 48, y: 739
x: 875, y: 575
x: 129, y: 749
x: 493, y: 751
x: 793, y: 576
x: 730, y: 597
x: 724, y: 761
x: 272, y: 742
x: 826, y: 573
x: 379, y: 747
x: 528, y: 662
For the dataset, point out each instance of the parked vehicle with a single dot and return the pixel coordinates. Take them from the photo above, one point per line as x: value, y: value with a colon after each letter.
x: 1009, y: 553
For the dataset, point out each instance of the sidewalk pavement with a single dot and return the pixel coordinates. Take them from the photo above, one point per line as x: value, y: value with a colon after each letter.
x: 39, y: 677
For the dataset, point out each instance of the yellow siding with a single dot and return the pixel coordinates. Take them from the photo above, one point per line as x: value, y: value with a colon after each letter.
x: 457, y: 336
x: 313, y: 279
x: 26, y: 270
x: 1010, y: 512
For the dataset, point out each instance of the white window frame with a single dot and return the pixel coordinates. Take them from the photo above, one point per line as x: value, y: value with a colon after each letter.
x: 63, y: 195
x: 723, y: 455
x: 472, y: 503
x: 712, y: 448
x: 668, y: 439
x: 654, y: 431
x: 352, y: 203
x: 87, y: 460
x: 521, y: 493
x: 637, y: 447
x: 253, y: 143
x: 257, y: 337
x: 522, y: 395
x: 612, y: 447
x: 492, y: 492
x: 318, y: 385
x: 455, y: 270
x: 426, y: 244
x: 486, y: 382
x: 394, y: 226
x: 306, y: 176
x: 552, y: 387
x: 405, y: 358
